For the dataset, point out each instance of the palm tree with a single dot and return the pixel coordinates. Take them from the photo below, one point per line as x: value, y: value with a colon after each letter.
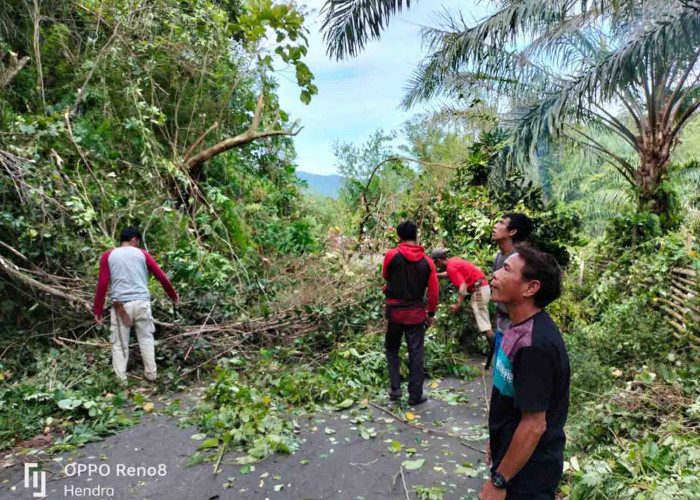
x: 627, y: 67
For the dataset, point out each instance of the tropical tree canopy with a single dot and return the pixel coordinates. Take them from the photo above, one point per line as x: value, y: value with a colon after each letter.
x: 564, y: 69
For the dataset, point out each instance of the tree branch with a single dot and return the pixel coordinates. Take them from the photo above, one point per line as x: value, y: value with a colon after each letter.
x: 81, y: 92
x: 249, y: 135
x: 198, y: 142
x: 15, y: 273
x: 12, y: 69
x: 37, y: 52
x: 69, y: 129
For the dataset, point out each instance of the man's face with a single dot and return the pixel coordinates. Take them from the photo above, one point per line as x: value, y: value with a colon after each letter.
x: 134, y: 242
x: 441, y: 264
x: 508, y: 285
x: 500, y: 230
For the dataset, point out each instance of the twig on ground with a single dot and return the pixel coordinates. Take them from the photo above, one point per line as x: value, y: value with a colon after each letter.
x: 62, y: 344
x: 472, y: 447
x: 424, y: 429
x: 221, y: 455
x: 91, y: 344
x: 358, y: 465
x: 403, y: 481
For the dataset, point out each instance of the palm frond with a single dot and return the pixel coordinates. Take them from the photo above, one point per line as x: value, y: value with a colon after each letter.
x: 667, y: 40
x: 497, y: 70
x: 349, y: 24
x: 616, y: 200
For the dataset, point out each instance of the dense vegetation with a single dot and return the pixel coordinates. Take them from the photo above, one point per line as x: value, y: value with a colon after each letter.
x: 164, y: 115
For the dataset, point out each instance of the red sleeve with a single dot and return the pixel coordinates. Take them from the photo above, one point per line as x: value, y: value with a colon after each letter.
x: 433, y: 288
x: 102, y: 284
x: 159, y: 275
x: 387, y: 258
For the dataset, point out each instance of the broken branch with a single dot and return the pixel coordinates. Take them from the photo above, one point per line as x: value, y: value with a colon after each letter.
x: 12, y: 69
x: 249, y: 135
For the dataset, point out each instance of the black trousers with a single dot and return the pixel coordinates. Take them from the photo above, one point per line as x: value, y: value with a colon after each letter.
x: 540, y: 495
x: 392, y: 343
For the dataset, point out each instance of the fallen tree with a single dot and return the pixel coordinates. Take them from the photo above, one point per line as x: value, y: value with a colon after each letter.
x: 210, y: 339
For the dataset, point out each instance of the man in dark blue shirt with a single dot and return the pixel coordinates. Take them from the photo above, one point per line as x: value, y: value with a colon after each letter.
x: 530, y: 396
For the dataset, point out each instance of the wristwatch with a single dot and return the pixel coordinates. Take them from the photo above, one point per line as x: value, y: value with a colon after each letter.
x: 498, y: 480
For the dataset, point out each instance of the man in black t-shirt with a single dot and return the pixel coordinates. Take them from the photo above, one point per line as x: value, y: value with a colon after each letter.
x: 530, y: 395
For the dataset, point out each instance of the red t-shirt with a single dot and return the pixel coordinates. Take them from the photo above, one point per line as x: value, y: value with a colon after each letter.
x: 460, y: 271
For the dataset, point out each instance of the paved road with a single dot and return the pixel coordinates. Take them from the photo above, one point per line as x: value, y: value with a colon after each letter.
x: 341, y: 465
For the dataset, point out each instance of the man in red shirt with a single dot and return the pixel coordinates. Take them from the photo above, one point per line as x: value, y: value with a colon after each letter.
x: 408, y: 273
x: 468, y: 279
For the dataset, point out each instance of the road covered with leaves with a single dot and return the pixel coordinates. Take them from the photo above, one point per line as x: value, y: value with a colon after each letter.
x: 368, y: 448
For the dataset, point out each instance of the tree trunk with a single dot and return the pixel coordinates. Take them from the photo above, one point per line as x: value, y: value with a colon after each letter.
x: 652, y: 172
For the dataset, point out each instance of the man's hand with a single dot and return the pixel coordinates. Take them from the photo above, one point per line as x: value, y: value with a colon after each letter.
x: 442, y: 274
x: 176, y: 300
x: 454, y: 308
x: 99, y: 320
x: 429, y: 321
x: 490, y: 492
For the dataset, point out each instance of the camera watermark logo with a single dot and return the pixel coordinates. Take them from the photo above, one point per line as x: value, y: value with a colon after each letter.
x: 38, y: 479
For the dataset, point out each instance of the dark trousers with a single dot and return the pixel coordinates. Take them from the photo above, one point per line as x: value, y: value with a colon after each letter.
x: 540, y: 495
x: 392, y: 344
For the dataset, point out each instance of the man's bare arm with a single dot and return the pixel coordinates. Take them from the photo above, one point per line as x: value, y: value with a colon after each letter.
x: 527, y: 435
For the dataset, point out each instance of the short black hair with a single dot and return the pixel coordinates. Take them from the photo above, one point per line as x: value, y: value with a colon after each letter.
x: 521, y: 223
x: 544, y: 268
x: 439, y: 254
x: 128, y: 233
x: 407, y: 230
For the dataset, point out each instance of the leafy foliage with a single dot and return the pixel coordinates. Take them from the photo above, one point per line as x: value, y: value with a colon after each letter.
x: 247, y: 403
x: 134, y: 90
x: 67, y: 399
x: 633, y: 382
x: 482, y: 190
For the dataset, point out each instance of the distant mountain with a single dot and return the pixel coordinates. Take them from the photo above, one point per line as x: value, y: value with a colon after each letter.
x: 323, y: 185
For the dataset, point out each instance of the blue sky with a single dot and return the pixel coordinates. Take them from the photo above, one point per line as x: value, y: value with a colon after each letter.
x: 359, y: 95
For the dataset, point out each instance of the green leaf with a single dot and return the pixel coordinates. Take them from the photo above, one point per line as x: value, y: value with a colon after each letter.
x: 396, y: 447
x: 209, y: 443
x: 198, y: 437
x: 413, y: 464
x: 69, y: 403
x: 258, y: 452
x: 466, y: 470
x: 347, y: 403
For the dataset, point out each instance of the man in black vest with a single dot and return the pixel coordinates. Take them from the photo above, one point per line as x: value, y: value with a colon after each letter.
x: 408, y: 273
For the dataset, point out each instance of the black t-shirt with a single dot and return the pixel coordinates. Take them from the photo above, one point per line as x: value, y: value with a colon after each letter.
x: 531, y: 374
